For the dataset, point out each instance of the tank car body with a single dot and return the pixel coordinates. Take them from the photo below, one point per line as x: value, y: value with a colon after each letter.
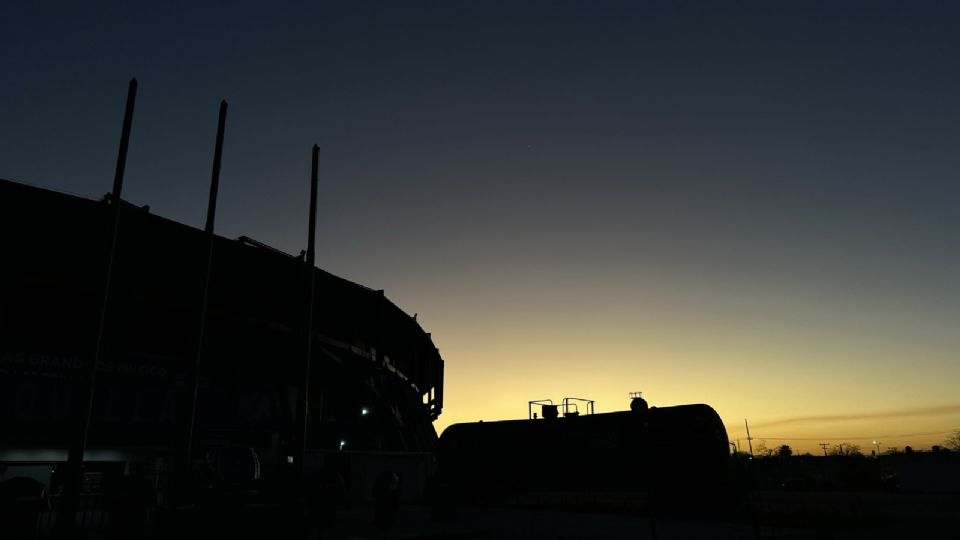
x: 669, y: 448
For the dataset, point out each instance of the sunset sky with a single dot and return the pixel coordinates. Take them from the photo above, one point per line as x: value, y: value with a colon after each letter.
x: 748, y: 204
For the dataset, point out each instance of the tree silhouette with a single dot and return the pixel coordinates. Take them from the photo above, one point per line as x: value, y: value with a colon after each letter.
x: 953, y: 441
x: 785, y: 451
x: 760, y: 449
x: 847, y: 449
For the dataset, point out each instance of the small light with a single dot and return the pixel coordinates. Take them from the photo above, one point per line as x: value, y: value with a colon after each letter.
x: 342, y: 444
x: 289, y: 459
x: 364, y: 411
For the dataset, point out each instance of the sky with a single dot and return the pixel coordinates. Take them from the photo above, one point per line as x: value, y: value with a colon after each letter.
x: 745, y: 204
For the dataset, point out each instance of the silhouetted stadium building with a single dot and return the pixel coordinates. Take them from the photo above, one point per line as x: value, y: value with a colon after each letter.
x: 376, y: 377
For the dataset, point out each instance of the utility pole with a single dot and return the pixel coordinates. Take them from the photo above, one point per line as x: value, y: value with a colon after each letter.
x: 73, y: 481
x: 749, y: 438
x: 204, y: 296
x: 309, y: 267
x: 824, y: 446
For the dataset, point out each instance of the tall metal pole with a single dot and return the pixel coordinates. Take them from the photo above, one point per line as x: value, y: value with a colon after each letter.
x: 73, y: 480
x: 749, y: 439
x: 302, y: 396
x: 205, y: 284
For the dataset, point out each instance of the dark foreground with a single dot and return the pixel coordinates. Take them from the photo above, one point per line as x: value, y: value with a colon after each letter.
x: 572, y: 516
x: 823, y: 515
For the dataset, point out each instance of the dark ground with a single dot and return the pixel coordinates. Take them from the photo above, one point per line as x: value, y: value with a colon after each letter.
x: 794, y: 515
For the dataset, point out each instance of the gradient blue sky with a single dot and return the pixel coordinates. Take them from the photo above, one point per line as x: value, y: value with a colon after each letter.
x: 748, y: 204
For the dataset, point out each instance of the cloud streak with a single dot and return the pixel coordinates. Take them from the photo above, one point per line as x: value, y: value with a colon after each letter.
x: 879, y: 415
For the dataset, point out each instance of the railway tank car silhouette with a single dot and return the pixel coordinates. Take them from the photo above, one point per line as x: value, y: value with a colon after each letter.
x: 680, y: 449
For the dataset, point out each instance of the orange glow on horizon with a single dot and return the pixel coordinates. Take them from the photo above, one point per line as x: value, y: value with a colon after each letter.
x: 792, y: 387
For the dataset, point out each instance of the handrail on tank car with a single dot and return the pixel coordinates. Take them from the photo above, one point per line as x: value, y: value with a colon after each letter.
x: 570, y: 406
x: 531, y: 403
x: 567, y: 403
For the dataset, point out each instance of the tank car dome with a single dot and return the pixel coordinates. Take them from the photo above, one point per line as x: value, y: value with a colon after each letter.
x: 638, y: 404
